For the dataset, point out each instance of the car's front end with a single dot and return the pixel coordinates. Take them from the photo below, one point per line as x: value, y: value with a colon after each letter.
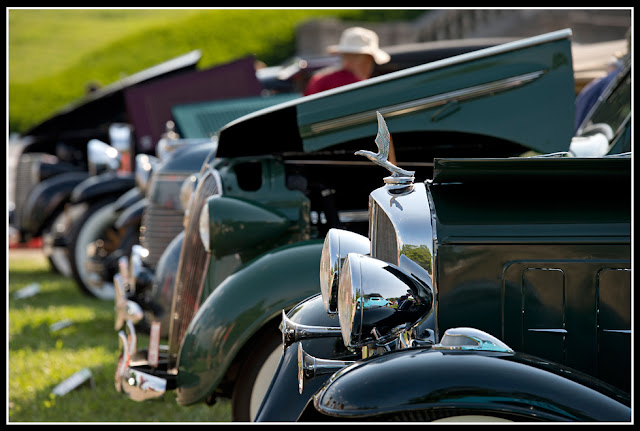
x: 288, y: 175
x: 162, y: 183
x: 491, y: 263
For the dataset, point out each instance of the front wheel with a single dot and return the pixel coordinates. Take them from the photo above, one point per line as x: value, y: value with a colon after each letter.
x: 93, y: 225
x: 58, y: 256
x: 255, y: 376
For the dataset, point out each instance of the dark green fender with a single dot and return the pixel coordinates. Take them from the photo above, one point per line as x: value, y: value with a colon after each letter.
x: 238, y: 308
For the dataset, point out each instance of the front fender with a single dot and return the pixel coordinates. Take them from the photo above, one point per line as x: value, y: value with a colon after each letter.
x: 129, y: 198
x: 131, y: 214
x: 425, y: 382
x: 241, y: 305
x: 97, y: 186
x: 163, y: 286
x: 283, y: 402
x: 46, y: 199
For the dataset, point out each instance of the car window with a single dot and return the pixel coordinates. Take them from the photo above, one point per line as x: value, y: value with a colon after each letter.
x: 615, y: 108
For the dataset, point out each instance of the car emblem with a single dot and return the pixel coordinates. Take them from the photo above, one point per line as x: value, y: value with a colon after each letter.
x: 383, y: 138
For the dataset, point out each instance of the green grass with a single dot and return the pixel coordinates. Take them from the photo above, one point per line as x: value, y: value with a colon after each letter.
x: 54, y: 53
x: 39, y: 359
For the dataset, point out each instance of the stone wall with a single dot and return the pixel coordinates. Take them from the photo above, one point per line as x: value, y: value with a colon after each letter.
x: 588, y: 26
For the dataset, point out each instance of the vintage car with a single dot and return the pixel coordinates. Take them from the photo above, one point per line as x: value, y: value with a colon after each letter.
x: 283, y: 176
x: 42, y: 212
x: 144, y: 219
x: 159, y: 217
x: 146, y: 103
x: 58, y: 145
x: 507, y: 297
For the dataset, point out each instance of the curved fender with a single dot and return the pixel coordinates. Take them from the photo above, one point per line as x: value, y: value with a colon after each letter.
x: 283, y: 402
x: 48, y: 170
x: 46, y: 198
x: 97, y: 186
x: 425, y: 379
x: 127, y: 199
x: 241, y: 305
x: 131, y: 214
x: 164, y: 283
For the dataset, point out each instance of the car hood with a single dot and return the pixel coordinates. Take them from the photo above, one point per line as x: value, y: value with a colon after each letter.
x: 520, y: 91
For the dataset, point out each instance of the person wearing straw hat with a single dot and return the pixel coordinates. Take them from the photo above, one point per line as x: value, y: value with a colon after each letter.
x: 359, y: 51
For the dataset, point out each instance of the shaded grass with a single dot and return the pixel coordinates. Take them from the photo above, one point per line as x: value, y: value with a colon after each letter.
x: 39, y: 359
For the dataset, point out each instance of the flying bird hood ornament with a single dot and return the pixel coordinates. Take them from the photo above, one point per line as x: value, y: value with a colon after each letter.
x: 399, y: 177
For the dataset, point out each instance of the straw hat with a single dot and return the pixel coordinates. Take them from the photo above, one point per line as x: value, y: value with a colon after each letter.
x: 358, y: 40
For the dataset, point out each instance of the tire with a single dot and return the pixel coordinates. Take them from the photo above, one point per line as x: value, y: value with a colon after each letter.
x: 59, y: 257
x: 92, y: 225
x: 255, y: 376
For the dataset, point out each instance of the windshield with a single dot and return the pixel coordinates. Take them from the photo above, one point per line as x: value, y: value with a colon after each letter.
x: 613, y: 108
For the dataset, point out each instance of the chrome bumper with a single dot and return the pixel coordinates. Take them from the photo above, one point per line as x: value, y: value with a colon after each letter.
x: 134, y: 376
x: 125, y: 309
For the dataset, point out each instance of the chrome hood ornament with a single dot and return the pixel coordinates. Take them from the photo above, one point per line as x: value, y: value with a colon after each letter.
x: 383, y: 138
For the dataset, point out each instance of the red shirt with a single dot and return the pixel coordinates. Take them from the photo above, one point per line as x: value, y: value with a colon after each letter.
x: 326, y: 81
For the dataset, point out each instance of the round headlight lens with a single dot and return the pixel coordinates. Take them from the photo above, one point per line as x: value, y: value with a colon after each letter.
x: 203, y: 224
x: 348, y: 298
x: 138, y: 253
x: 144, y: 167
x: 373, y: 294
x: 186, y: 191
x: 337, y: 244
x: 101, y: 156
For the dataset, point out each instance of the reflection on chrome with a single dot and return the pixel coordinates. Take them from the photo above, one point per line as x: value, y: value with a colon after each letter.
x: 471, y: 339
x: 376, y: 300
x: 138, y: 254
x: 138, y: 385
x: 309, y: 366
x: 337, y: 244
x: 292, y: 332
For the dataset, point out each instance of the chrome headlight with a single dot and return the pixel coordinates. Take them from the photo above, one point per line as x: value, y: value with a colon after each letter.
x: 337, y: 244
x: 144, y: 168
x: 137, y: 271
x: 376, y: 300
x: 167, y: 146
x: 186, y: 191
x: 234, y: 224
x: 101, y: 156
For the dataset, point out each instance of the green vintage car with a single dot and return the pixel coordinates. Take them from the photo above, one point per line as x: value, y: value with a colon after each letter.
x: 283, y: 176
x: 506, y: 287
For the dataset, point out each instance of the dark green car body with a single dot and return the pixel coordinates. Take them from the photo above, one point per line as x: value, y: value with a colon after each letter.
x: 533, y: 251
x: 488, y: 102
x: 286, y: 174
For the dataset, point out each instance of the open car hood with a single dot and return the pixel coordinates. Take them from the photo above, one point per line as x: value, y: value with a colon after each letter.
x: 107, y: 103
x: 520, y: 91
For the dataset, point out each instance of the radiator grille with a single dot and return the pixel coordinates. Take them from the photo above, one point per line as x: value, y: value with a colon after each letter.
x: 24, y: 182
x: 384, y: 244
x: 159, y: 227
x: 192, y: 266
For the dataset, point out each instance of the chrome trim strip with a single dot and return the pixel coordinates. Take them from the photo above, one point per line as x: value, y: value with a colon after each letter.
x: 549, y: 331
x: 349, y: 163
x: 618, y: 331
x: 353, y: 216
x: 469, y: 56
x: 424, y: 103
x: 435, y: 260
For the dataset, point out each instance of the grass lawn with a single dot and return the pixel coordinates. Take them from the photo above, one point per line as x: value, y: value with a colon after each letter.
x: 39, y: 358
